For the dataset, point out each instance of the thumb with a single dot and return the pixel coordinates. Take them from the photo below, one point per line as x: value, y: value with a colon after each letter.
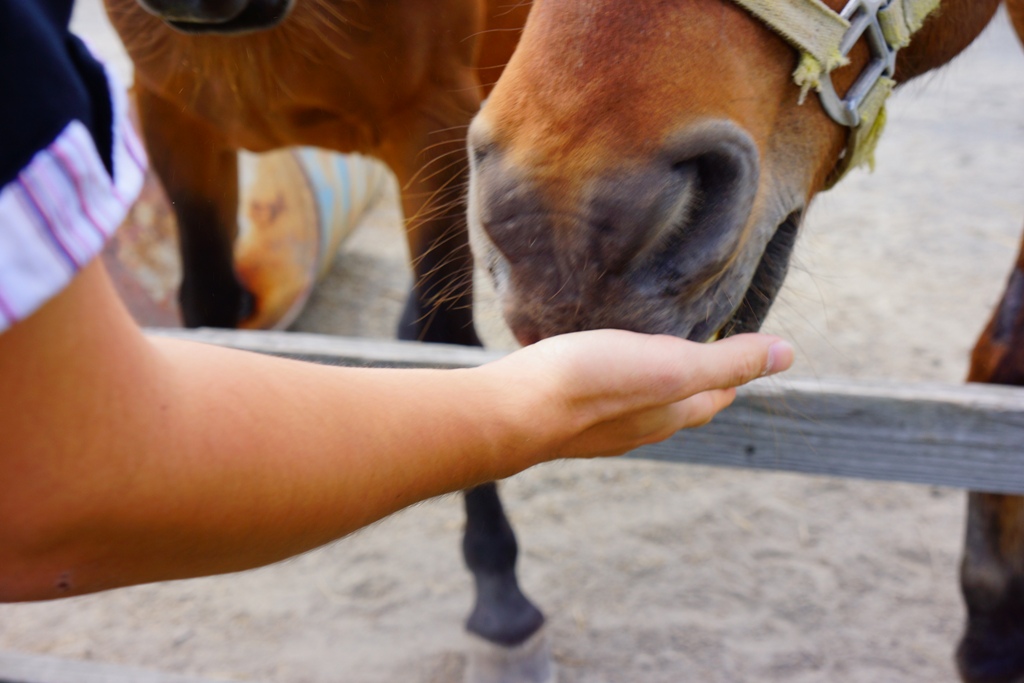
x: 734, y: 361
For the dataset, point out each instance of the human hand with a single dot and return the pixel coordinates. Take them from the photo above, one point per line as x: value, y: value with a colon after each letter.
x: 605, y: 392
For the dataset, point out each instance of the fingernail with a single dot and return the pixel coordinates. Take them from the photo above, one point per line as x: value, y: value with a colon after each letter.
x: 780, y: 357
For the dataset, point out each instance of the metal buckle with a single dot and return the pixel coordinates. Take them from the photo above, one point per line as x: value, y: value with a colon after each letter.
x: 863, y: 18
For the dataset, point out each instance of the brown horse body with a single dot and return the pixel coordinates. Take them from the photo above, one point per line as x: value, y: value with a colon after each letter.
x: 645, y: 165
x: 396, y: 80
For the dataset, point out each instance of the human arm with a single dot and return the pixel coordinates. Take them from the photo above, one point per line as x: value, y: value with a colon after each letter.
x: 126, y: 459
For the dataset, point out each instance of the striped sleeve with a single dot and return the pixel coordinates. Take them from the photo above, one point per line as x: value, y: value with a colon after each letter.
x: 59, y: 211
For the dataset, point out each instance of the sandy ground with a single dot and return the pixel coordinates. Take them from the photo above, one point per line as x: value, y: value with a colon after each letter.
x: 647, y: 571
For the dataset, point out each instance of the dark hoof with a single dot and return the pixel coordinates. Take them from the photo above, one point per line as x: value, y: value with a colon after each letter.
x: 502, y: 614
x: 991, y: 659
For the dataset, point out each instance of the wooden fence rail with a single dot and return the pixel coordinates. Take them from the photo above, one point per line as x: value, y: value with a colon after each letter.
x: 964, y: 436
x: 18, y: 667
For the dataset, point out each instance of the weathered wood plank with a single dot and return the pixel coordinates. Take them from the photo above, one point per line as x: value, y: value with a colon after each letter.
x: 969, y: 437
x: 341, y: 350
x: 24, y: 668
x: 964, y: 436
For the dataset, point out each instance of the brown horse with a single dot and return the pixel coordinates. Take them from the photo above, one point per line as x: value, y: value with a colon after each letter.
x: 645, y: 165
x: 398, y: 80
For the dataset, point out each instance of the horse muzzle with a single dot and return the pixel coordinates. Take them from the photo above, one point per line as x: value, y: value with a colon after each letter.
x: 668, y: 244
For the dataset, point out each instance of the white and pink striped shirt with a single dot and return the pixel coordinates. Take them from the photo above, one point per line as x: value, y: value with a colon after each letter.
x: 60, y: 210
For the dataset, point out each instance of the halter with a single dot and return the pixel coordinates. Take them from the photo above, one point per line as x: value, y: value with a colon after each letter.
x: 825, y: 38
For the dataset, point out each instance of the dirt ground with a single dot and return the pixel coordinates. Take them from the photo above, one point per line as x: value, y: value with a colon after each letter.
x: 653, y: 572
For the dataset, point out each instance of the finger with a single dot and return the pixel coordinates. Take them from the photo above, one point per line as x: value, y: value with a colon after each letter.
x: 642, y: 428
x: 695, y: 411
x: 702, y: 407
x: 733, y: 361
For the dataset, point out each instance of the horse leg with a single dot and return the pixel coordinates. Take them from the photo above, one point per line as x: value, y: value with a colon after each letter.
x: 992, y: 570
x: 199, y: 173
x: 440, y: 309
x: 502, y: 613
x: 515, y: 650
x: 440, y: 304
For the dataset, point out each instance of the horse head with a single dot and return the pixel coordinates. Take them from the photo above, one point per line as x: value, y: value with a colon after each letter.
x: 219, y: 16
x: 646, y: 165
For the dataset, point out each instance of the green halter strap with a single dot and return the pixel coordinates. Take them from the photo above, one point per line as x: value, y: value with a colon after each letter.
x: 825, y: 38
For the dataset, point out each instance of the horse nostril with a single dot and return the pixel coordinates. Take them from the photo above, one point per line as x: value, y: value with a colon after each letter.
x: 687, y: 170
x: 689, y: 218
x: 479, y: 140
x: 479, y: 153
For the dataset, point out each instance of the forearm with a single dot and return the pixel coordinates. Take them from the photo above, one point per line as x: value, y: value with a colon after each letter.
x: 322, y: 451
x: 125, y: 459
x: 222, y: 460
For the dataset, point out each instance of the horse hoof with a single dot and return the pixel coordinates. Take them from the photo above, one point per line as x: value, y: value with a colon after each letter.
x: 529, y: 662
x: 991, y: 660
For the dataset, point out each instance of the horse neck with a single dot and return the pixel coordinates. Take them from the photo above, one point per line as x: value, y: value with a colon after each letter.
x: 954, y: 26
